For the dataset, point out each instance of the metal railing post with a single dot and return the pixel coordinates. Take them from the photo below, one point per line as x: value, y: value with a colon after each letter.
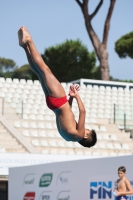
x: 2, y: 106
x: 22, y: 110
x: 114, y: 113
x: 125, y: 121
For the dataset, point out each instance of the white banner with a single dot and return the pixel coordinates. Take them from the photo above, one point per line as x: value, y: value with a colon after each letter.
x: 70, y: 180
x: 14, y: 160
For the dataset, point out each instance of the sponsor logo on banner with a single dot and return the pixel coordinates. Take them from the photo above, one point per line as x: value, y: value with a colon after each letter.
x: 45, y: 196
x: 63, y: 178
x: 64, y: 195
x: 45, y: 180
x: 29, y: 196
x: 101, y: 190
x: 29, y: 179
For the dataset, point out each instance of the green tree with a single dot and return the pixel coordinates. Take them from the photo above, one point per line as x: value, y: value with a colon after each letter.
x: 6, y: 65
x: 71, y: 60
x: 124, y: 46
x: 99, y: 46
x: 24, y: 72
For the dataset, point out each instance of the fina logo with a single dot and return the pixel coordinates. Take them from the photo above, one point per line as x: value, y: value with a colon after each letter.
x: 101, y: 190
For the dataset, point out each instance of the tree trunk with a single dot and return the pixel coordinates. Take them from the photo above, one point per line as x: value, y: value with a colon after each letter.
x: 104, y: 68
x: 100, y: 47
x: 101, y: 53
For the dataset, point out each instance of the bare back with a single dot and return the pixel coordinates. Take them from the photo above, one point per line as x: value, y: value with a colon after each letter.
x: 66, y: 123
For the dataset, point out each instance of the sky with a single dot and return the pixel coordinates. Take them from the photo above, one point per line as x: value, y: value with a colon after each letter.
x: 51, y: 22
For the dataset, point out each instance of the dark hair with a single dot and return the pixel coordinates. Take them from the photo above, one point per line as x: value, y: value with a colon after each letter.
x: 122, y: 169
x: 90, y: 141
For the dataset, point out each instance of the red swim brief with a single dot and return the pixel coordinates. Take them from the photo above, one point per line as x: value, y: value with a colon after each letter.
x: 55, y: 103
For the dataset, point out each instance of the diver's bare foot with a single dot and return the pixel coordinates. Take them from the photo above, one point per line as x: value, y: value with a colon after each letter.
x: 23, y: 36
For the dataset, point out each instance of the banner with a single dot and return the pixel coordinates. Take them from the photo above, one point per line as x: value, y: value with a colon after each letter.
x: 17, y: 159
x: 69, y: 180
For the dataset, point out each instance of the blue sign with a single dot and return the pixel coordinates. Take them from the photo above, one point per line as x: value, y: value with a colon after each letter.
x: 101, y: 190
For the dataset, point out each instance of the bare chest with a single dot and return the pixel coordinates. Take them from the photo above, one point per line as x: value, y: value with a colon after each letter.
x: 121, y: 185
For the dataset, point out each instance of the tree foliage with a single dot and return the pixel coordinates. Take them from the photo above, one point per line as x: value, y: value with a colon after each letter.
x: 24, y: 72
x: 6, y: 65
x: 124, y: 46
x: 71, y: 60
x: 68, y: 61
